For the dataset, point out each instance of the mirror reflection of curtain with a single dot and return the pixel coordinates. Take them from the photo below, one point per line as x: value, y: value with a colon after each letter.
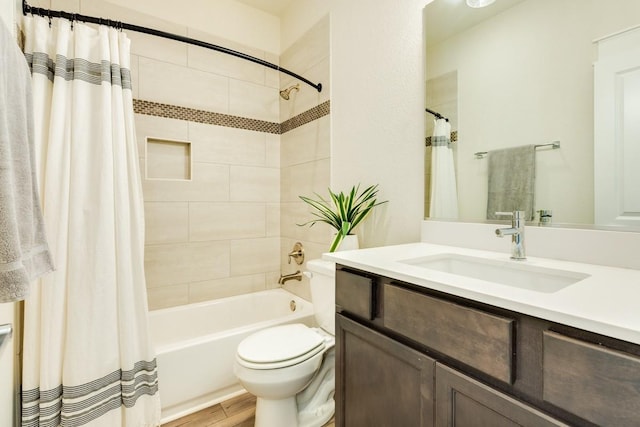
x: 444, y: 194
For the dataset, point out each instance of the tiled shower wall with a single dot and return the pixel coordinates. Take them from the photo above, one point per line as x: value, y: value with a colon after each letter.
x: 217, y: 231
x: 216, y: 234
x: 305, y: 150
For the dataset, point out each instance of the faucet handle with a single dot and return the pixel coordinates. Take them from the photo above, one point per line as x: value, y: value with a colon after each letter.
x: 297, y: 253
x: 515, y: 214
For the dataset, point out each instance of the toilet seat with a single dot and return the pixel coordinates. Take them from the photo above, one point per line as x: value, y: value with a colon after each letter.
x: 279, y: 347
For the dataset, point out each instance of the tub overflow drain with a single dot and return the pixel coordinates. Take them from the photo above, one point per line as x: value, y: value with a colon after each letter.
x: 292, y: 305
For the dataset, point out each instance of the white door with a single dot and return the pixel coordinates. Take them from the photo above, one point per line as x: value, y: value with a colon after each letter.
x: 617, y: 130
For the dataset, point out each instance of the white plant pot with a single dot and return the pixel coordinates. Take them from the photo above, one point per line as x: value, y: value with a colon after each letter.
x: 350, y: 242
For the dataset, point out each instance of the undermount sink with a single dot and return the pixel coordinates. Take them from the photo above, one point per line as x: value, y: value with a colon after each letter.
x: 517, y: 274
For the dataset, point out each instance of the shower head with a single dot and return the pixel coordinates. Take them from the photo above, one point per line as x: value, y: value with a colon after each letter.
x: 285, y: 93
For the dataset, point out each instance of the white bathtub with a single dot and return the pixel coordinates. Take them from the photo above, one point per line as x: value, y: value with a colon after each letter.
x: 196, y: 345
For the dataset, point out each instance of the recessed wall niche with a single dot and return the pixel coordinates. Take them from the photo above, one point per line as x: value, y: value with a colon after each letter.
x: 168, y: 159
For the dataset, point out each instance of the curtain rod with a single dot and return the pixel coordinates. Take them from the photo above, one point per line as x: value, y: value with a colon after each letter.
x: 438, y: 115
x: 48, y: 13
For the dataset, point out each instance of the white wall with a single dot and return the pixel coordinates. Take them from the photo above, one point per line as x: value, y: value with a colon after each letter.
x: 298, y: 18
x: 6, y: 13
x: 377, y: 110
x: 9, y: 12
x: 223, y: 18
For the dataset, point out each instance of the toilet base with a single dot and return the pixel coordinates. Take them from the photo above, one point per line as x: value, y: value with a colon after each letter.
x: 315, y: 404
x: 319, y: 417
x: 312, y: 407
x: 284, y: 412
x: 276, y: 413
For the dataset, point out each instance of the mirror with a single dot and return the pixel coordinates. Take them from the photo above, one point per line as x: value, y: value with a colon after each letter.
x: 521, y: 72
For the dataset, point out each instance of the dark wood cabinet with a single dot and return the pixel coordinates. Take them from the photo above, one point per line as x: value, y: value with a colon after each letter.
x: 462, y: 401
x: 597, y: 383
x: 410, y: 356
x: 474, y: 337
x: 380, y: 382
x: 355, y: 294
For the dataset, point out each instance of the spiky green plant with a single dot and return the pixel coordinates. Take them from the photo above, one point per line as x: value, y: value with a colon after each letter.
x: 343, y: 211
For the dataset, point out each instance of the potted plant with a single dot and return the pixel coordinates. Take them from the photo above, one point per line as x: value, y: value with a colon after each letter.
x: 344, y: 211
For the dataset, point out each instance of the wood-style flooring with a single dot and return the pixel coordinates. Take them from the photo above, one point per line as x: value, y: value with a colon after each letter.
x: 236, y: 412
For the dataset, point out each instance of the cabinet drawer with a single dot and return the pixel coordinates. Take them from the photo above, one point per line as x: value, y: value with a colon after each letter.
x: 355, y: 293
x: 481, y: 340
x: 596, y: 383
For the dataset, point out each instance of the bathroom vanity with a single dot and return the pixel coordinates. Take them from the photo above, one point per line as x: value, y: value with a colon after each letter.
x: 422, y: 341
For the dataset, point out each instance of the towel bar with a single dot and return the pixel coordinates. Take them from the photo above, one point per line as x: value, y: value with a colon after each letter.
x: 5, y: 333
x: 554, y: 145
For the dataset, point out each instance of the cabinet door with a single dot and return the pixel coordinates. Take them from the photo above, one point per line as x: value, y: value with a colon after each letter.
x: 464, y: 402
x: 596, y: 383
x: 380, y: 382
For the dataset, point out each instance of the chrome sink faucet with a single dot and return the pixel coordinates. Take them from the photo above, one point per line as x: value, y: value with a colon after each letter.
x: 516, y: 231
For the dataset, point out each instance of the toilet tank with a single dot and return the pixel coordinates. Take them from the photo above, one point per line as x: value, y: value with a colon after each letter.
x: 323, y: 292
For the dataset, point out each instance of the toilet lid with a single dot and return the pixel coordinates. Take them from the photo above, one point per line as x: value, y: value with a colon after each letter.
x: 280, y: 346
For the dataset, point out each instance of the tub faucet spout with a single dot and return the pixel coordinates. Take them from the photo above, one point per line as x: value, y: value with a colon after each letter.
x: 286, y: 277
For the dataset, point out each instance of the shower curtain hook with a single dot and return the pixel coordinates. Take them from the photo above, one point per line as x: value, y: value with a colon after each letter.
x: 49, y: 16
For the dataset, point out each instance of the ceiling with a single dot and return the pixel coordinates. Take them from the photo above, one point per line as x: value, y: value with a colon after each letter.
x: 273, y: 7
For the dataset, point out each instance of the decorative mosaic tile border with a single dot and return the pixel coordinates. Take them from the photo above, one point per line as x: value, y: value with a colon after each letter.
x: 201, y: 116
x: 308, y: 116
x: 208, y: 117
x: 454, y: 138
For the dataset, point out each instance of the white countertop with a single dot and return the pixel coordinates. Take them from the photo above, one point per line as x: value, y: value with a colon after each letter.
x: 607, y: 302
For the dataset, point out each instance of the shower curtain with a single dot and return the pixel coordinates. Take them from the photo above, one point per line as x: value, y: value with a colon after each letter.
x: 87, y: 354
x: 444, y: 194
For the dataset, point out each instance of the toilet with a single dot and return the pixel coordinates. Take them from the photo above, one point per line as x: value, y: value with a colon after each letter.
x: 291, y: 368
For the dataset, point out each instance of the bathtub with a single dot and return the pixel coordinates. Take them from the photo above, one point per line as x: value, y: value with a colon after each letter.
x: 196, y: 345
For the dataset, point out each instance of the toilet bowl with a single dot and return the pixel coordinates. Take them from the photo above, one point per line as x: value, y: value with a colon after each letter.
x: 290, y: 368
